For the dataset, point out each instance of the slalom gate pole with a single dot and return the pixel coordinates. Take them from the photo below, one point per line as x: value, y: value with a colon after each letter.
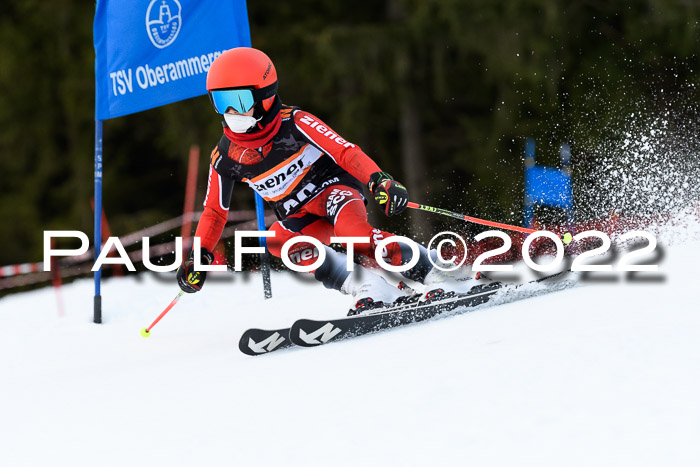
x: 145, y: 332
x: 190, y: 192
x: 97, y: 299
x: 566, y: 238
x: 265, y: 258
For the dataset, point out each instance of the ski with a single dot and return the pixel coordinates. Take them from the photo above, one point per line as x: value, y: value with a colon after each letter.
x: 312, y: 333
x: 260, y: 341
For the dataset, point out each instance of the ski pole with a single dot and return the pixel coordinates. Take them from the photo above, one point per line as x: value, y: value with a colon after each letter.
x: 145, y: 332
x: 566, y: 238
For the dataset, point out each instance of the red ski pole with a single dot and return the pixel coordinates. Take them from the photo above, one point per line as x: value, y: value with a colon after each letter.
x: 566, y: 238
x: 145, y: 332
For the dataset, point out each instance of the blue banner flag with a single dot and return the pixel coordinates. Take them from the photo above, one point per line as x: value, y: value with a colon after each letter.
x: 154, y: 52
x: 548, y: 186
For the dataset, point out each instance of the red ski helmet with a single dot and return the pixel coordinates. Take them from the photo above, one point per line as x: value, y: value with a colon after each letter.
x: 243, y: 78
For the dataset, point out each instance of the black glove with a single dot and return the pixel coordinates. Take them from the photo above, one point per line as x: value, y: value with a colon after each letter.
x: 388, y: 193
x: 188, y: 279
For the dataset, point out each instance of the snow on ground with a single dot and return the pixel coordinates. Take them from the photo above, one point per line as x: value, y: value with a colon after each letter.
x: 607, y: 373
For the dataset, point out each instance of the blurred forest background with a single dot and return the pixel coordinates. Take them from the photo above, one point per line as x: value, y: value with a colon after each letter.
x: 441, y: 93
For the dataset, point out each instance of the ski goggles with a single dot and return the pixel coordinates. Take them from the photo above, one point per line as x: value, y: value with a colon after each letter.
x: 240, y: 99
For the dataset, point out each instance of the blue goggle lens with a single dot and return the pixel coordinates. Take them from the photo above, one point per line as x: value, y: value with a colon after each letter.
x: 241, y: 100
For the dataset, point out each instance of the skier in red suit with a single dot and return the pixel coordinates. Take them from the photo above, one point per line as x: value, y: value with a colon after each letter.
x: 310, y: 176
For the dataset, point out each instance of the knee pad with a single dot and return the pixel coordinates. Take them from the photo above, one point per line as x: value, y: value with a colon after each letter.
x: 422, y: 268
x: 333, y: 272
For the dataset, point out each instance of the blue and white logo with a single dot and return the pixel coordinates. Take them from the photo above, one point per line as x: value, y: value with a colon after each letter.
x: 163, y: 22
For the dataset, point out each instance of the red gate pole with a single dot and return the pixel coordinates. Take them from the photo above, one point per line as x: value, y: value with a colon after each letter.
x: 190, y: 192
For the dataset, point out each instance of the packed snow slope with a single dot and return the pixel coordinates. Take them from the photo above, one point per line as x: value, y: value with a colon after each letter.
x: 604, y: 374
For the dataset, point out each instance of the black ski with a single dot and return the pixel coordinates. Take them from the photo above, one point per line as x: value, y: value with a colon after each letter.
x: 261, y: 341
x: 312, y: 333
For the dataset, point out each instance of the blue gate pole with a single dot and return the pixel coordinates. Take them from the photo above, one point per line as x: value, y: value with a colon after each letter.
x: 265, y: 258
x: 529, y: 208
x: 565, y: 158
x: 97, y: 302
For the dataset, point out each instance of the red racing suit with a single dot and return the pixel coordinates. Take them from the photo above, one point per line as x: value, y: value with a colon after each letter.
x: 310, y: 176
